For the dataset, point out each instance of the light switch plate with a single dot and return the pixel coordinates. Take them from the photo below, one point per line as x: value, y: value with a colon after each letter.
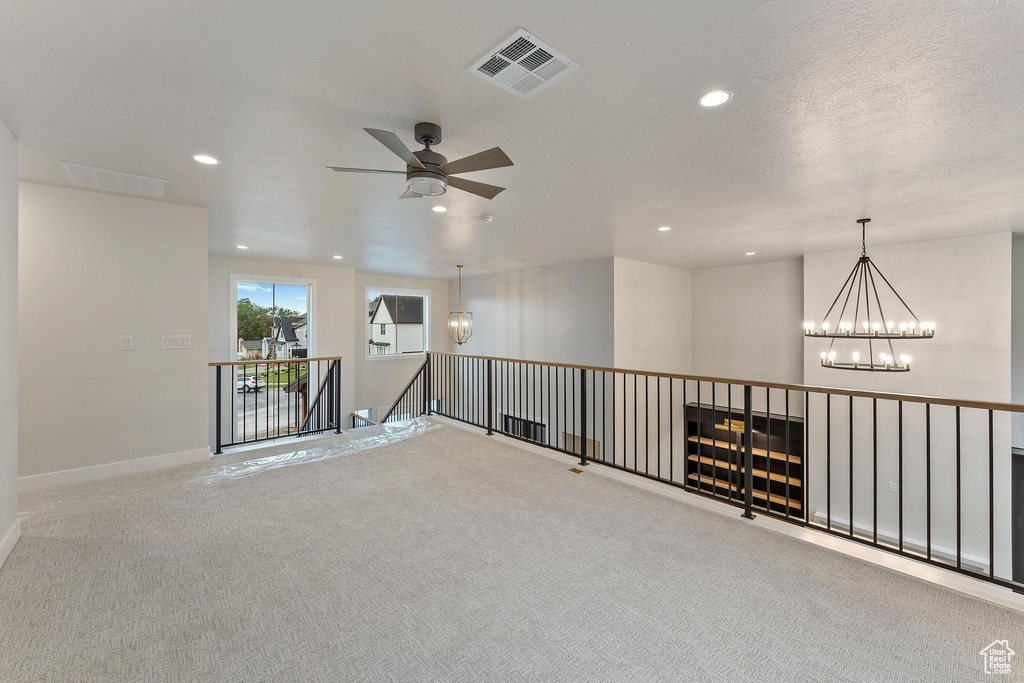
x: 127, y: 342
x: 176, y: 342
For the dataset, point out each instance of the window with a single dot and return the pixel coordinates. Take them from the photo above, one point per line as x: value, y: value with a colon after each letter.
x: 272, y: 320
x: 397, y: 322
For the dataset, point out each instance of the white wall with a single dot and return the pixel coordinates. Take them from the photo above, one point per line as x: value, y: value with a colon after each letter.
x: 747, y: 322
x: 332, y: 313
x: 559, y: 314
x: 1017, y: 338
x: 652, y: 317
x: 9, y: 528
x: 653, y: 321
x: 379, y: 381
x: 92, y: 267
x: 964, y: 285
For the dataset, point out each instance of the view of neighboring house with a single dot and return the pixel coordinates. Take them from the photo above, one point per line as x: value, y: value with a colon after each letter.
x: 250, y: 350
x: 288, y: 339
x: 396, y: 324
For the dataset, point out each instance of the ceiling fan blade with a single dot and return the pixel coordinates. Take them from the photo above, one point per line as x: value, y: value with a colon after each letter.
x: 391, y: 141
x: 362, y: 170
x: 481, y: 189
x: 481, y: 161
x: 410, y: 195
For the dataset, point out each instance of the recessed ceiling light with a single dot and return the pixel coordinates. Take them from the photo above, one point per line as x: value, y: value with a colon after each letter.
x: 338, y: 257
x: 664, y: 228
x: 750, y: 253
x: 439, y: 209
x: 205, y: 159
x: 242, y: 246
x: 715, y: 98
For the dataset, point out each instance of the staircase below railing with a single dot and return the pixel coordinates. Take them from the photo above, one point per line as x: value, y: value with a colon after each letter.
x: 289, y: 398
x: 412, y: 402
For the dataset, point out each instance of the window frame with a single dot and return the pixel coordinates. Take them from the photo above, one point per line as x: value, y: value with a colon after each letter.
x: 425, y: 293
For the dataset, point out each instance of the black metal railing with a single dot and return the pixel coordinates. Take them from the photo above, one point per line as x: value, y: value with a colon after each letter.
x: 263, y: 400
x: 412, y: 402
x: 924, y: 477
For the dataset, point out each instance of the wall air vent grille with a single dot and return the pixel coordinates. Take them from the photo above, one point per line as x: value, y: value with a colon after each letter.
x: 93, y: 178
x: 522, y: 64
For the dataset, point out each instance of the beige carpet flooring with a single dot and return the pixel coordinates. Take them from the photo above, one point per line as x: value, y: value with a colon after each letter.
x: 452, y: 556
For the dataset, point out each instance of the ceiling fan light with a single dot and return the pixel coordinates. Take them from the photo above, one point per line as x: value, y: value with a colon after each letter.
x: 427, y: 187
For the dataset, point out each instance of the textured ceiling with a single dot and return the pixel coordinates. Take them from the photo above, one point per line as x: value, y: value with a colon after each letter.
x: 908, y: 112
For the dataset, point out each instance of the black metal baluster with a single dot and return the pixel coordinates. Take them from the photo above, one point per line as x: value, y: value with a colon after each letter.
x: 659, y: 425
x: 217, y: 408
x: 604, y: 416
x: 958, y: 556
x: 805, y: 461
x: 851, y: 467
x: 671, y: 432
x: 828, y: 461
x: 647, y: 425
x: 874, y: 471
x: 729, y: 451
x: 686, y: 443
x: 613, y: 417
x: 748, y: 452
x: 714, y: 444
x: 767, y: 449
x: 700, y: 443
x: 636, y: 423
x: 572, y: 418
x: 583, y: 414
x: 787, y: 453
x: 991, y: 502
x: 928, y: 477
x: 490, y: 398
x: 900, y: 475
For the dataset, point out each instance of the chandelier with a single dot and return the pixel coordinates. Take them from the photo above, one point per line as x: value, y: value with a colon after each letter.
x: 862, y: 318
x: 460, y: 323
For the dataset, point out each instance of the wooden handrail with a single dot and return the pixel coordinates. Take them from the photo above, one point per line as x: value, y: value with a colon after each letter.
x: 268, y: 362
x: 360, y: 417
x: 857, y: 393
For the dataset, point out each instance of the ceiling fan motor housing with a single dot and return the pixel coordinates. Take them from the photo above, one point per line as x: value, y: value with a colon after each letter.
x: 429, y: 180
x: 427, y: 133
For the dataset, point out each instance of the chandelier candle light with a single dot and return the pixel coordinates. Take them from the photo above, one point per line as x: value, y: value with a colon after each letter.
x: 866, y: 321
x: 460, y: 323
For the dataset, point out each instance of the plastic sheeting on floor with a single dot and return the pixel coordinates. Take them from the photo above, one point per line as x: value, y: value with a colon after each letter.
x: 92, y: 493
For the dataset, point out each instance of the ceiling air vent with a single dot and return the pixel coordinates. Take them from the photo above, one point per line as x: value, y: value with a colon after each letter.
x: 523, y: 64
x: 114, y: 181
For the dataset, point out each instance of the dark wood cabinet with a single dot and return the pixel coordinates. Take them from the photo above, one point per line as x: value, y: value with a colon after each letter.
x: 715, y: 442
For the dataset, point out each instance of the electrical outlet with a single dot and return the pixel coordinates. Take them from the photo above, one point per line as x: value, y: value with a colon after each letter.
x: 127, y: 342
x: 176, y: 342
x: 892, y: 487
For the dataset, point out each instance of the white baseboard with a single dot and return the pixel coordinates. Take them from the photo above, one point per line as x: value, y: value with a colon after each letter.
x: 942, y: 577
x: 10, y: 540
x: 35, y: 482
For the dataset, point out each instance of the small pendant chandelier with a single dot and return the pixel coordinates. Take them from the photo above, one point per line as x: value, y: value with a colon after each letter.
x: 864, y: 320
x: 460, y: 323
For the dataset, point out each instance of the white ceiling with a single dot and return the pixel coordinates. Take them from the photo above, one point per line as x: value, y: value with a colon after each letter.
x: 909, y: 112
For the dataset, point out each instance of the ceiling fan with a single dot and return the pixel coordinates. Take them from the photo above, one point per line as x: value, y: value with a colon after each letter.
x: 428, y: 173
